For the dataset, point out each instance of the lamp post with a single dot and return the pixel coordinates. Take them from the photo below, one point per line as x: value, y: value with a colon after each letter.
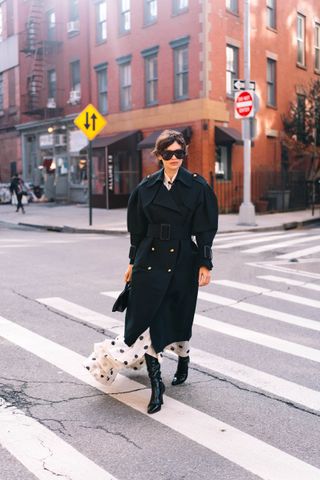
x: 247, y: 210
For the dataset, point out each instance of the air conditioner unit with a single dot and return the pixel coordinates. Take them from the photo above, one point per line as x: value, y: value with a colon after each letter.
x: 74, y: 97
x: 73, y: 26
x: 60, y: 140
x: 51, y: 103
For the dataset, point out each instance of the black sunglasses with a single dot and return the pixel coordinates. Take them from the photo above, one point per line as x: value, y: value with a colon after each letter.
x: 168, y: 154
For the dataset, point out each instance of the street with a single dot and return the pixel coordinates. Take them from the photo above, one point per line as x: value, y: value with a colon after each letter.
x: 249, y: 409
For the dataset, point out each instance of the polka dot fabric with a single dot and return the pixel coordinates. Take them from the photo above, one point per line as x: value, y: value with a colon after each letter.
x: 113, y: 355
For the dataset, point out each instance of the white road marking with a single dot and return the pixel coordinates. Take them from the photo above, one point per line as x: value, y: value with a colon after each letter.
x: 226, y: 237
x: 256, y: 378
x: 267, y: 462
x: 277, y: 266
x: 269, y: 293
x: 301, y: 253
x: 261, y: 311
x: 41, y: 451
x: 289, y: 243
x: 263, y: 238
x: 289, y: 281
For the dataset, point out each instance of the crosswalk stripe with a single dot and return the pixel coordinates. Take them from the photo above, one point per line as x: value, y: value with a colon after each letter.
x: 269, y: 293
x: 262, y: 239
x: 300, y: 253
x: 273, y: 266
x: 289, y: 281
x: 268, y: 462
x: 289, y: 243
x: 256, y: 378
x: 261, y: 311
x: 262, y: 339
x: 41, y: 451
x: 249, y: 235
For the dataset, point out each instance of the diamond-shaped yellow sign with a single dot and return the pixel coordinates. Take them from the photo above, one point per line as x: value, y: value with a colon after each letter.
x: 90, y: 121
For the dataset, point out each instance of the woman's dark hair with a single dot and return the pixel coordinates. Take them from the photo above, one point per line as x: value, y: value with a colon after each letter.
x: 166, y: 138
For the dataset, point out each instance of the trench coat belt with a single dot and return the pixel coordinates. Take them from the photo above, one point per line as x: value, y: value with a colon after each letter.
x: 165, y: 231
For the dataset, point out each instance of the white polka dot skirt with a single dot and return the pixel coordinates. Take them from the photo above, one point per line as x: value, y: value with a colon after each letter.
x: 113, y: 355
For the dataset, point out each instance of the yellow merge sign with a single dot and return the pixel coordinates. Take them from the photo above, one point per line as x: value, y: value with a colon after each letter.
x: 90, y: 121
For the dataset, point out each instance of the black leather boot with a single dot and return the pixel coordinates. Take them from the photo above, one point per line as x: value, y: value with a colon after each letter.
x: 181, y: 374
x: 158, y: 388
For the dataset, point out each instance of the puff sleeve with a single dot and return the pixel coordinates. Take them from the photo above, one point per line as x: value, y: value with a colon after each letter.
x: 205, y: 224
x: 136, y: 223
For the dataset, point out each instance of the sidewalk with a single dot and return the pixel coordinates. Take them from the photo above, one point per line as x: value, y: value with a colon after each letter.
x: 75, y: 218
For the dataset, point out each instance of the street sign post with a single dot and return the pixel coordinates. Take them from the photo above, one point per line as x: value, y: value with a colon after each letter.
x: 243, y: 104
x: 241, y: 85
x: 90, y: 122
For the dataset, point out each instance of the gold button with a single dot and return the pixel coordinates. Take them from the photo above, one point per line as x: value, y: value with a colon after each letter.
x: 171, y: 250
x: 149, y: 268
x: 153, y: 249
x: 169, y: 270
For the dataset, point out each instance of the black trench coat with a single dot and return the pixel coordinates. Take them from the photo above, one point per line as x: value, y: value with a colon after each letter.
x: 166, y: 261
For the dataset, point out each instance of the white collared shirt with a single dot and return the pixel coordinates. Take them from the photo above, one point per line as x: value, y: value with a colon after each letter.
x: 167, y: 182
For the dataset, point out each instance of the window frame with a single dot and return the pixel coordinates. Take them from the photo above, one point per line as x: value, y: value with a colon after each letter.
x: 125, y: 89
x: 1, y: 23
x: 100, y: 23
x: 147, y: 19
x: 102, y: 69
x: 50, y: 83
x: 302, y: 40
x: 73, y: 85
x: 51, y: 26
x: 151, y: 83
x: 317, y: 47
x: 271, y: 11
x: 234, y: 73
x: 179, y: 46
x: 271, y: 82
x: 122, y: 17
x: 233, y: 7
x: 177, y: 9
x: 301, y: 119
x: 1, y: 91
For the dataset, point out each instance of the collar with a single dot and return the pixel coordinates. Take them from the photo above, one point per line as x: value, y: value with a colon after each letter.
x: 167, y: 180
x: 183, y: 176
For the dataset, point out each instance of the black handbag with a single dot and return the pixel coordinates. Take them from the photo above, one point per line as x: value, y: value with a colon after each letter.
x: 122, y: 301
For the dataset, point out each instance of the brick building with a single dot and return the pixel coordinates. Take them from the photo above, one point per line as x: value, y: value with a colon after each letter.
x: 148, y: 65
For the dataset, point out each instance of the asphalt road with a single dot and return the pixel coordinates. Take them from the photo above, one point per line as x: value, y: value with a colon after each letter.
x: 249, y: 409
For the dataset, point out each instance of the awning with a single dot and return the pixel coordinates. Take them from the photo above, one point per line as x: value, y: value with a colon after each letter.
x: 150, y: 140
x: 101, y: 142
x: 226, y: 135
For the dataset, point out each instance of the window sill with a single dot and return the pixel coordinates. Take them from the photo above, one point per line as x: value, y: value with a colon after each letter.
x: 230, y: 96
x: 232, y: 12
x: 100, y: 42
x: 73, y: 34
x: 124, y: 34
x: 273, y: 107
x: 316, y: 71
x: 299, y: 65
x: 149, y: 24
x: 150, y: 105
x: 180, y: 99
x: 180, y: 12
x: 272, y: 29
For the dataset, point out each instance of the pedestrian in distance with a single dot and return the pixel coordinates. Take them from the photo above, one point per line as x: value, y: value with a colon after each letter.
x: 166, y: 212
x: 17, y: 187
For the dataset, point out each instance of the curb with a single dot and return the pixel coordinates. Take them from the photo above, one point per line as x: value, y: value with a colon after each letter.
x: 66, y: 229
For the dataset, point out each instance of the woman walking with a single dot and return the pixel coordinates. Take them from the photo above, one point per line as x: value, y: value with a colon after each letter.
x: 166, y: 268
x: 17, y: 187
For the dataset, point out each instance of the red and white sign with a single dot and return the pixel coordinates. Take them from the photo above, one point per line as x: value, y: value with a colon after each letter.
x: 243, y: 104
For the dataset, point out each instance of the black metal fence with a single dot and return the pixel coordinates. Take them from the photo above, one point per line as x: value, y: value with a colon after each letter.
x: 270, y: 192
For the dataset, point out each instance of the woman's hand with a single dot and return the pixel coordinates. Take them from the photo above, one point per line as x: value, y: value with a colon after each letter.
x: 128, y: 274
x: 204, y: 276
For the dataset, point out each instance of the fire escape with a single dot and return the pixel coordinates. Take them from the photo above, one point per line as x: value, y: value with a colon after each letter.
x: 40, y: 44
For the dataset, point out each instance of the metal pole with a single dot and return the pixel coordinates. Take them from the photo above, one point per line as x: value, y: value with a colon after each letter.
x: 90, y: 182
x: 246, y: 212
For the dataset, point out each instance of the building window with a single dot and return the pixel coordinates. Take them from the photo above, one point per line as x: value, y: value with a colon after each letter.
x: 51, y: 25
x: 125, y: 86
x: 301, y: 23
x: 232, y: 5
x: 271, y: 82
x: 101, y: 21
x: 1, y: 91
x: 75, y: 77
x: 180, y: 6
x: 125, y: 16
x: 102, y: 88
x: 232, y: 67
x: 150, y: 11
x: 52, y: 83
x: 271, y: 13
x: 181, y: 67
x: 151, y: 72
x: 12, y: 87
x: 317, y: 47
x: 223, y: 162
x: 301, y: 117
x: 73, y: 10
